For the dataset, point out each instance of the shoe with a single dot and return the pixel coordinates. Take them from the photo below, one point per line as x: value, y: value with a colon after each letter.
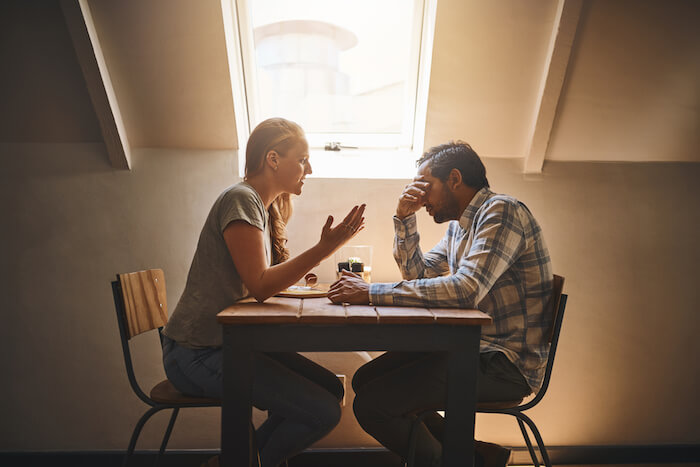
x: 214, y: 462
x: 211, y: 462
x: 490, y: 455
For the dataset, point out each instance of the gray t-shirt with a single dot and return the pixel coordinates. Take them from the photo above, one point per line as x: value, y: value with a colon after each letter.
x: 213, y: 282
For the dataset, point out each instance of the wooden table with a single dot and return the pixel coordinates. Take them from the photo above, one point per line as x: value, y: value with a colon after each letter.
x: 316, y: 324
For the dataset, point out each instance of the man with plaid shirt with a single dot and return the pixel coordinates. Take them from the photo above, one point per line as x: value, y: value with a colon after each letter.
x: 493, y: 257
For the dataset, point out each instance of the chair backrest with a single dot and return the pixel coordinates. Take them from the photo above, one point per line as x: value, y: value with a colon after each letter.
x: 139, y: 299
x: 556, y: 306
x: 145, y: 302
x: 553, y: 305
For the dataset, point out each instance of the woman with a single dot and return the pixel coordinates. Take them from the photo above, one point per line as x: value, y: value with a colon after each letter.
x: 242, y: 252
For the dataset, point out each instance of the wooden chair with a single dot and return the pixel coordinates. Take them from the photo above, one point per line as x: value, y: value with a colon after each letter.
x: 140, y: 301
x: 556, y: 306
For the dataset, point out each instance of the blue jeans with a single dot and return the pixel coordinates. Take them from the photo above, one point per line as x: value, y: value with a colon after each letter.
x: 391, y: 389
x: 302, y: 397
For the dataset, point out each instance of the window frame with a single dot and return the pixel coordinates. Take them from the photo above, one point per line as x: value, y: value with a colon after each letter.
x: 389, y: 156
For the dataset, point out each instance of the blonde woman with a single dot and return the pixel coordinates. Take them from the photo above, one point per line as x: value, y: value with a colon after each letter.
x: 241, y: 252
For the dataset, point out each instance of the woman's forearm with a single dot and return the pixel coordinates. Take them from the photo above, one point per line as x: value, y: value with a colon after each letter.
x: 280, y: 276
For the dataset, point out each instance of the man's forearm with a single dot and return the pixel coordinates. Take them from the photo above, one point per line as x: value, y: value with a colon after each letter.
x: 452, y: 291
x: 407, y: 252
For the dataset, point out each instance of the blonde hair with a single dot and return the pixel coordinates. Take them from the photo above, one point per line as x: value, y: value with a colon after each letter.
x: 273, y: 134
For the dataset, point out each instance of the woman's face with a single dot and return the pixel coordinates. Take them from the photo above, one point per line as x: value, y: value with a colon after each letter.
x: 294, y: 167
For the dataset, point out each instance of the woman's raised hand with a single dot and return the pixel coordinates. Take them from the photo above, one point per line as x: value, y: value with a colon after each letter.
x: 334, y: 237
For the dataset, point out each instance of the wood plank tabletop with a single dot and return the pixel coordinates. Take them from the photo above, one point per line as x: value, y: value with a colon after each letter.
x: 361, y: 314
x: 277, y: 310
x: 321, y: 311
x: 274, y: 310
x: 404, y: 315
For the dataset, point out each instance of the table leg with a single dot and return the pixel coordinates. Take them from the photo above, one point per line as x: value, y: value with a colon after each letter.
x: 462, y: 361
x: 236, y: 411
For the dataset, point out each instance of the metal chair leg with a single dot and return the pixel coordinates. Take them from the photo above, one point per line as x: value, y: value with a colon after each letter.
x: 412, y: 438
x: 166, y: 437
x: 538, y: 438
x: 526, y: 437
x: 137, y: 431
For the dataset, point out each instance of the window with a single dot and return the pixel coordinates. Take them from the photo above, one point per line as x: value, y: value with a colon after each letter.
x: 353, y: 74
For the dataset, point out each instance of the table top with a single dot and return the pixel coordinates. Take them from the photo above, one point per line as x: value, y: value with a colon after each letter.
x: 278, y: 310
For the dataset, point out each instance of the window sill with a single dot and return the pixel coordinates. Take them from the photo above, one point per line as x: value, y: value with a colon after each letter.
x: 363, y: 164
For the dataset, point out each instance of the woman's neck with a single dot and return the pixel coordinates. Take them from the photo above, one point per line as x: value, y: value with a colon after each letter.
x: 265, y: 189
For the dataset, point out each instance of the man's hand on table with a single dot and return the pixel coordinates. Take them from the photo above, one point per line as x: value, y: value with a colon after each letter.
x: 350, y: 288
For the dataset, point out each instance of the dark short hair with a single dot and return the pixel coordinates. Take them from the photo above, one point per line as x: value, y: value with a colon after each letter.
x: 456, y: 155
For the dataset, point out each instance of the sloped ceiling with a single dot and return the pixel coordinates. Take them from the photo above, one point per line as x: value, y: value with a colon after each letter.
x: 488, y: 59
x: 43, y: 98
x: 633, y: 87
x: 631, y: 91
x: 167, y: 60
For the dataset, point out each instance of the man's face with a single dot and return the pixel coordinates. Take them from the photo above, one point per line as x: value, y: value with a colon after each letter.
x: 439, y: 201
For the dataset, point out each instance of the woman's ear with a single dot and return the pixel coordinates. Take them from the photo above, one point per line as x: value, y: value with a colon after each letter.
x: 272, y: 159
x: 454, y: 179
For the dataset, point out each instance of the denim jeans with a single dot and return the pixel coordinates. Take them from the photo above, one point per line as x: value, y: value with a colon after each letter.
x: 391, y: 389
x: 302, y: 397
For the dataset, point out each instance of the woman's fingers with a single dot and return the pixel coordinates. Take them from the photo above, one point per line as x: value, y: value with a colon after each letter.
x: 353, y: 222
x: 344, y: 231
x: 358, y: 219
x: 358, y: 230
x: 350, y: 214
x: 354, y: 213
x: 327, y: 226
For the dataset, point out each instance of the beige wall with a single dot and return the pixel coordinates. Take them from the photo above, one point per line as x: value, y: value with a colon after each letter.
x: 624, y: 236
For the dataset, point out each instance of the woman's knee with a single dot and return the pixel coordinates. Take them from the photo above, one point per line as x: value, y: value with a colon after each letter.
x: 329, y: 415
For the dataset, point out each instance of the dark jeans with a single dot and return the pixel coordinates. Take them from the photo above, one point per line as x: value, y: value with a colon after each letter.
x: 302, y: 397
x: 391, y: 389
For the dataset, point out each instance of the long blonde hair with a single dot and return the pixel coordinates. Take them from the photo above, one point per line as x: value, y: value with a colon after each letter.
x: 273, y: 134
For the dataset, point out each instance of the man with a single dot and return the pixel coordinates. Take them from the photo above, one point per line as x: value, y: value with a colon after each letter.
x: 492, y: 257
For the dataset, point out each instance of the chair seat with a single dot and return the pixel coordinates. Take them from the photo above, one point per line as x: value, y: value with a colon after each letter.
x: 165, y: 393
x: 498, y: 404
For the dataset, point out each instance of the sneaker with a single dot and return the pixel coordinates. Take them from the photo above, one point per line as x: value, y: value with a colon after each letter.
x: 490, y: 455
x: 211, y: 462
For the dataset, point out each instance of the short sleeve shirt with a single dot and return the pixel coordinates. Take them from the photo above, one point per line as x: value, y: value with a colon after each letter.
x: 213, y: 283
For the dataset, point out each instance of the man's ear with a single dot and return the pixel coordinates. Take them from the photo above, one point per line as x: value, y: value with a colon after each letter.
x: 454, y: 179
x: 272, y: 159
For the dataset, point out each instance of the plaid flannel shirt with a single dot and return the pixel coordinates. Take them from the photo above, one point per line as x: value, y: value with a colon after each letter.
x: 494, y: 259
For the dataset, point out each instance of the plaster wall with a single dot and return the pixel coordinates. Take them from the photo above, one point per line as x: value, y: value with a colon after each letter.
x: 623, y: 235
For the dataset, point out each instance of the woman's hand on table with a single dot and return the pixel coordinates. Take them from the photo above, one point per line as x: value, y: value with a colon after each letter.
x: 350, y: 288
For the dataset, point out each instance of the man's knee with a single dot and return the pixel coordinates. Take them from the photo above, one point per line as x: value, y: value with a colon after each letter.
x: 368, y: 405
x: 358, y: 380
x: 363, y: 376
x: 360, y: 407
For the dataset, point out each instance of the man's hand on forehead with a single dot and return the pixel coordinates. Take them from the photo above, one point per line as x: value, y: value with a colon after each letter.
x: 416, y: 190
x: 412, y: 197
